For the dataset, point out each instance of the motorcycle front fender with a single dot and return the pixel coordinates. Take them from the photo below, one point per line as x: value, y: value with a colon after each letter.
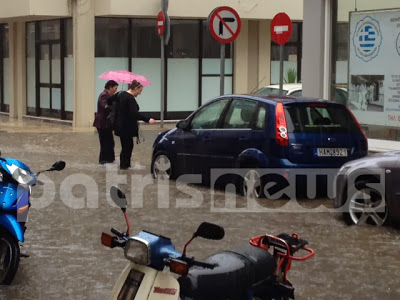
x: 145, y: 283
x: 12, y: 225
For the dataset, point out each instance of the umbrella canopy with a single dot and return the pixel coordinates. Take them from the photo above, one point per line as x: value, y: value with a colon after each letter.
x: 124, y: 77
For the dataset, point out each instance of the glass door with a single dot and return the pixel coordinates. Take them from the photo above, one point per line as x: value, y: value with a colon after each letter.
x: 49, y: 73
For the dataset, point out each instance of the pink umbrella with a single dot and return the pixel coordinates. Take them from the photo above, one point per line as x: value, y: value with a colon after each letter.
x: 124, y: 77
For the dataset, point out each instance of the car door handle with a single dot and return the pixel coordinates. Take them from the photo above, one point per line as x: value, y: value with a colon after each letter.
x: 206, y: 139
x: 242, y: 138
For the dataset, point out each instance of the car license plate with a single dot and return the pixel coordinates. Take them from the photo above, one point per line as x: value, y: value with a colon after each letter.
x: 341, y: 152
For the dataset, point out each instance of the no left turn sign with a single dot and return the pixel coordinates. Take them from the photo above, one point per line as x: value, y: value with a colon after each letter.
x: 224, y: 24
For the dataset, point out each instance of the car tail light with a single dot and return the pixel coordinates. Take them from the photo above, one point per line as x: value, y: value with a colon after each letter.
x: 359, y: 126
x: 280, y: 125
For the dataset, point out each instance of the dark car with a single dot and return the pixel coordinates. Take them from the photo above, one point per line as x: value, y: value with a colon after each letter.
x: 368, y: 190
x: 253, y: 131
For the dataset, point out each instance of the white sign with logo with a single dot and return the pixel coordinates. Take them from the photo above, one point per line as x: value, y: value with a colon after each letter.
x: 374, y: 67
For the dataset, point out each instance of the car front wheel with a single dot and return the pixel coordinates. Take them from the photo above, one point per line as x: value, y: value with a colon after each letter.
x: 366, y: 205
x: 162, y: 167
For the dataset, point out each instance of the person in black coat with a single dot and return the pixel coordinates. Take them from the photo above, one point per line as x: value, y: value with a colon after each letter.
x: 102, y: 124
x: 127, y: 121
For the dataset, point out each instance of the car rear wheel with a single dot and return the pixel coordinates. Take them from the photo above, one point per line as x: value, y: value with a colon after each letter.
x: 161, y: 166
x: 366, y: 206
x: 252, y: 184
x: 9, y: 256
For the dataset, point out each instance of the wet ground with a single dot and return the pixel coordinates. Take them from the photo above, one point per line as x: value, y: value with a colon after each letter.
x: 67, y: 260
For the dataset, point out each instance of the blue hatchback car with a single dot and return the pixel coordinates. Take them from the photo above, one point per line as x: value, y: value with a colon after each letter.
x: 256, y: 131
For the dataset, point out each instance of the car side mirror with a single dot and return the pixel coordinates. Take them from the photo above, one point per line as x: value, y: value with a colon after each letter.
x: 184, y: 125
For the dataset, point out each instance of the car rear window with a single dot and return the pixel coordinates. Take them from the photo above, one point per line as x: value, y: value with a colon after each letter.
x: 319, y: 118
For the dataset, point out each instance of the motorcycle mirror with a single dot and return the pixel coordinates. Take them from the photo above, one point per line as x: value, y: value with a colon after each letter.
x: 58, y: 166
x: 118, y: 197
x: 210, y: 231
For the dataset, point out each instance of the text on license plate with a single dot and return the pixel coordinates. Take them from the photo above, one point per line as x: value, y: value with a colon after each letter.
x: 331, y: 152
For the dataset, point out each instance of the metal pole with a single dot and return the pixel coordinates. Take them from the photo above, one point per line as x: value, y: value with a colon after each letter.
x: 222, y: 71
x: 162, y: 83
x: 281, y: 70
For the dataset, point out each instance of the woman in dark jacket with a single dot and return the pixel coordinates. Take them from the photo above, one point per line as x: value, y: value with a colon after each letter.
x: 127, y: 121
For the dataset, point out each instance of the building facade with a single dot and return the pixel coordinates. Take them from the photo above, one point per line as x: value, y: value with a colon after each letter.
x: 54, y: 50
x: 355, y: 45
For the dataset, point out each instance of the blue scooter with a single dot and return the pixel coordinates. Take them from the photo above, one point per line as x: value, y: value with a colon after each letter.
x: 16, y: 181
x: 255, y: 271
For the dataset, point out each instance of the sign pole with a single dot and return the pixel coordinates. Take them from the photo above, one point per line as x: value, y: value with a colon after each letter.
x: 281, y: 70
x: 222, y: 71
x: 162, y: 83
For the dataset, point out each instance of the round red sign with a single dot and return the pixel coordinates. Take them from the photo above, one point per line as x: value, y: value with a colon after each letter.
x: 224, y: 24
x: 281, y: 28
x: 160, y: 23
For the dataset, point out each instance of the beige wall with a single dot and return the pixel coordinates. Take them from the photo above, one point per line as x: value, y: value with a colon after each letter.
x: 345, y: 6
x: 252, y: 57
x: 264, y: 53
x: 247, y: 9
x: 30, y: 8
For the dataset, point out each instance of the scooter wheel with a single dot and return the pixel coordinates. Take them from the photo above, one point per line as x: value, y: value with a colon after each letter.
x: 9, y: 256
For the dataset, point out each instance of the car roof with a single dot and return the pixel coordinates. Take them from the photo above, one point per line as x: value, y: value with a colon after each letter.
x: 276, y: 98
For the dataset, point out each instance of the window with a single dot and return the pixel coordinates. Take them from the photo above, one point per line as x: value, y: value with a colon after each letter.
x: 239, y: 114
x: 145, y: 41
x: 318, y: 118
x: 211, y: 48
x: 208, y: 117
x: 184, y: 39
x: 112, y: 37
x: 68, y: 38
x: 260, y: 121
x: 49, y: 30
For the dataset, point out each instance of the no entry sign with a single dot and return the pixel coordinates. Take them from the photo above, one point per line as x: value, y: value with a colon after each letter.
x: 160, y: 23
x: 224, y: 24
x: 281, y: 28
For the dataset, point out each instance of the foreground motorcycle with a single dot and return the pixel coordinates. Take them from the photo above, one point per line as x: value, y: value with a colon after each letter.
x: 16, y: 180
x: 256, y: 271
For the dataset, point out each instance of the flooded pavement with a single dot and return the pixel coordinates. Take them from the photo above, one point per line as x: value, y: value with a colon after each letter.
x: 69, y: 213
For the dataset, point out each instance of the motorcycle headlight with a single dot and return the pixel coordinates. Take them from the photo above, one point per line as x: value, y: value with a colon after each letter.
x: 137, y: 250
x: 20, y: 175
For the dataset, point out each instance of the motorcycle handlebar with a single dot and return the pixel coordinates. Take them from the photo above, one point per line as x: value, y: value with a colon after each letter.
x: 117, y: 232
x: 204, y: 265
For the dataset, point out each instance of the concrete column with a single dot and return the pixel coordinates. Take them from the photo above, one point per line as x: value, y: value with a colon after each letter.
x: 312, y: 70
x: 240, y: 84
x: 17, y: 69
x: 253, y: 57
x: 83, y: 42
x: 264, y: 53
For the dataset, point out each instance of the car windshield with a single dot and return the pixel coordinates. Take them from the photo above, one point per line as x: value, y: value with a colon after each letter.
x: 270, y: 91
x: 319, y: 118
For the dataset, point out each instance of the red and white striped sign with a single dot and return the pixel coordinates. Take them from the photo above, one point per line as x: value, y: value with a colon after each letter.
x: 160, y: 23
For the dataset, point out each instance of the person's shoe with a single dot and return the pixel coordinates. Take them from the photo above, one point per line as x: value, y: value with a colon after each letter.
x: 102, y: 162
x: 138, y: 166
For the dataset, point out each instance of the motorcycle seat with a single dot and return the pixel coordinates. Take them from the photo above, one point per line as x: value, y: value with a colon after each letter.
x: 236, y: 271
